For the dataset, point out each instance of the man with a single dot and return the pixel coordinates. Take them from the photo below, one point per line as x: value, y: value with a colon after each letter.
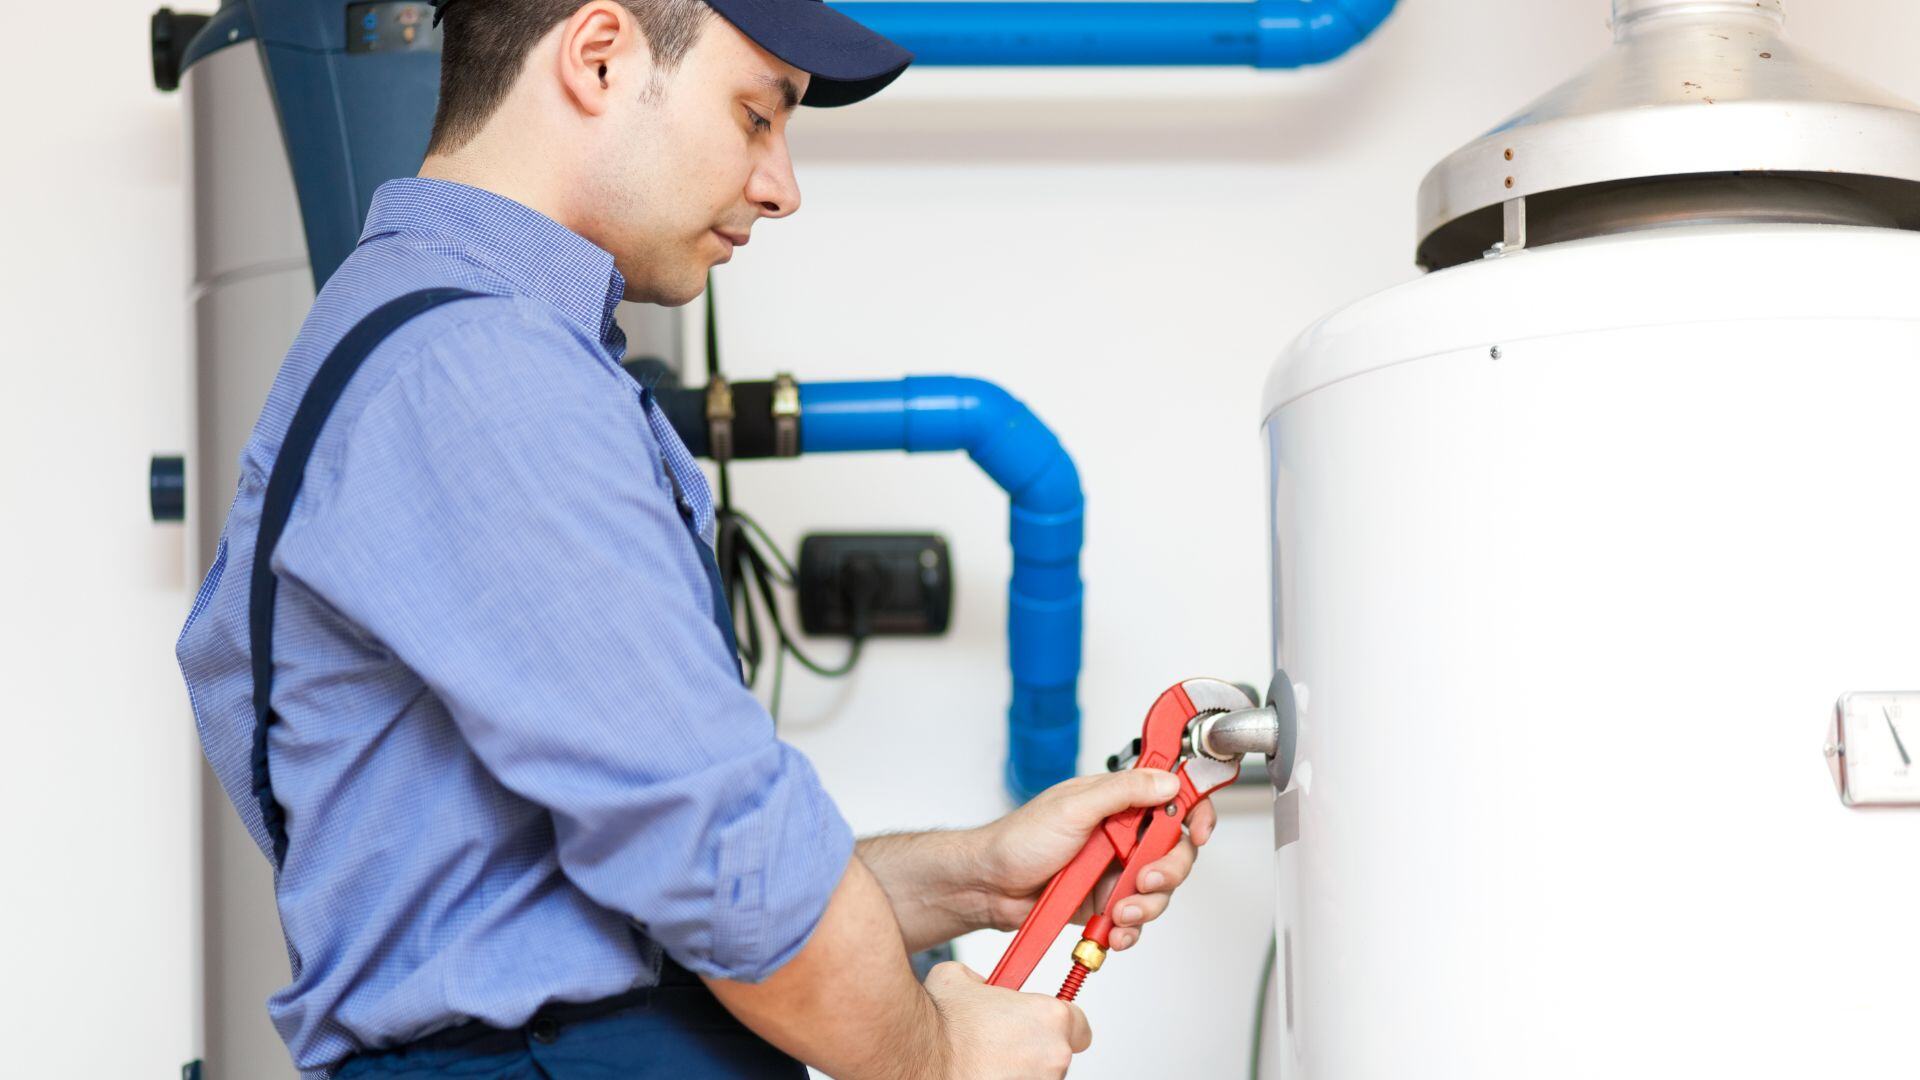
x: 479, y: 699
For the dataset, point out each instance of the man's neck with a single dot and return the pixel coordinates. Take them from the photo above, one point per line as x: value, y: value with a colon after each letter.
x: 527, y: 177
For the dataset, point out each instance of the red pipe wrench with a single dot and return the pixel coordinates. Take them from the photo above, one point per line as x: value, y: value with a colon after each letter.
x: 1133, y: 838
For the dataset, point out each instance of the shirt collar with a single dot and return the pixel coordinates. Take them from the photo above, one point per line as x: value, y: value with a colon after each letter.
x: 539, y: 256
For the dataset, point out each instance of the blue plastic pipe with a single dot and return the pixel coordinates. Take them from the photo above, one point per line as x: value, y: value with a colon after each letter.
x: 1220, y: 33
x: 1010, y: 444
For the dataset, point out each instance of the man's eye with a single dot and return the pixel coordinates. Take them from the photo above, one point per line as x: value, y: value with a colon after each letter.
x: 760, y: 123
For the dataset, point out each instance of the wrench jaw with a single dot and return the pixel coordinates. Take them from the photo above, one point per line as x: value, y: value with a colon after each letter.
x: 1208, y: 775
x: 1216, y: 695
x: 1209, y: 697
x: 1205, y: 766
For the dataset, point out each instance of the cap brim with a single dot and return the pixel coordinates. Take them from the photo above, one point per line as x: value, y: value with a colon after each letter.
x: 848, y: 62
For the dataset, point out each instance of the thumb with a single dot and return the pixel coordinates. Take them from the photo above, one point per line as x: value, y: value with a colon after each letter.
x: 1079, y: 1032
x: 955, y: 967
x: 1109, y: 794
x: 950, y: 970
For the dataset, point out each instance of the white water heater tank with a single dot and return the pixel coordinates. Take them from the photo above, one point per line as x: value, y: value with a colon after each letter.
x: 1597, y: 569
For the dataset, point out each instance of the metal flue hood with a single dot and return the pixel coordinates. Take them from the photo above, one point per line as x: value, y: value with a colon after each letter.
x: 1700, y: 112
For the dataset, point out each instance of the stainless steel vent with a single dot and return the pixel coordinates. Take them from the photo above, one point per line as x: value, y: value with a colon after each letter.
x: 1700, y: 112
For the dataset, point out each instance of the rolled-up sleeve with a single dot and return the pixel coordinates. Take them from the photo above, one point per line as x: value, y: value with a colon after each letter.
x: 499, y: 520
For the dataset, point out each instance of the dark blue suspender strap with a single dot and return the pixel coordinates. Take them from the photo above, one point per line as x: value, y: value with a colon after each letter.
x: 283, y: 486
x: 722, y: 607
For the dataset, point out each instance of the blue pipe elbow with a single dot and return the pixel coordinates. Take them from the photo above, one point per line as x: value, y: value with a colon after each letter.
x: 1122, y: 33
x: 1295, y: 33
x: 1046, y: 523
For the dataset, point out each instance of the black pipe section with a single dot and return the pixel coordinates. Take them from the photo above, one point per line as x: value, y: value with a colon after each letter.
x: 686, y: 409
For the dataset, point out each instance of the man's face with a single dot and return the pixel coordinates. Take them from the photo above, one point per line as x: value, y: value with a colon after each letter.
x: 693, y: 161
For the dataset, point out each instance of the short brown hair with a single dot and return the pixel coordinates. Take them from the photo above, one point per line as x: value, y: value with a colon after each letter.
x: 484, y: 44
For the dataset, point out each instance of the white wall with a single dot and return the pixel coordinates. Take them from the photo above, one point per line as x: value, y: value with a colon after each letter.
x: 1125, y: 250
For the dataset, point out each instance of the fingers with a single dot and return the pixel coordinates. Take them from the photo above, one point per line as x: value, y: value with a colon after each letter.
x: 1079, y: 1032
x: 1167, y: 874
x: 1142, y: 909
x: 1200, y: 823
x: 1136, y: 912
x: 996, y: 1034
x: 1092, y: 799
x: 1156, y: 886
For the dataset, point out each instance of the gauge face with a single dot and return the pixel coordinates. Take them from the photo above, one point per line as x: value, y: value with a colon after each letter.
x: 1876, y: 744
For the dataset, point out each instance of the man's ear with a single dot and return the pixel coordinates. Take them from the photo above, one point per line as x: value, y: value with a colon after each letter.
x: 602, y: 53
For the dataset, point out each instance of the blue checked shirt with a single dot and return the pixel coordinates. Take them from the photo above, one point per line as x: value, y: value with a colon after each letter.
x: 514, y: 752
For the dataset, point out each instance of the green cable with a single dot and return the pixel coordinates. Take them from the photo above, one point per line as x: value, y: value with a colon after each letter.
x: 1260, y: 1008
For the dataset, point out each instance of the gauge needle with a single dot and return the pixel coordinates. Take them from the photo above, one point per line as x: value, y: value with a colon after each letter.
x: 1897, y: 742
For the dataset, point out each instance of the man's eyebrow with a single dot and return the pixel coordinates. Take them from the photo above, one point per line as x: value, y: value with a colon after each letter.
x: 780, y: 84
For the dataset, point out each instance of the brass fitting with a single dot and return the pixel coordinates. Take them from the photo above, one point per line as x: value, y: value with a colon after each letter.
x: 1089, y: 955
x: 720, y: 419
x: 786, y: 416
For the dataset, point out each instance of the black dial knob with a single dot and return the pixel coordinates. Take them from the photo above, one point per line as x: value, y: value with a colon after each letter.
x: 167, y: 488
x: 171, y: 31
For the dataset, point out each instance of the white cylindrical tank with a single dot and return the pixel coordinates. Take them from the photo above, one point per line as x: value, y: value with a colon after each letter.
x: 1596, y: 569
x: 1574, y: 551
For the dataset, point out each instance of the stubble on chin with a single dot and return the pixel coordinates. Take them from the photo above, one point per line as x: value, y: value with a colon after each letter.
x: 669, y: 280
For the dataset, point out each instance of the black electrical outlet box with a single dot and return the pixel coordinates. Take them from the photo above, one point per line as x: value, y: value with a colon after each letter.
x: 857, y: 584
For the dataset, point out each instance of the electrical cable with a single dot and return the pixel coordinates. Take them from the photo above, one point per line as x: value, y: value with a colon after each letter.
x: 750, y: 561
x: 760, y: 564
x: 713, y: 370
x: 1260, y: 1009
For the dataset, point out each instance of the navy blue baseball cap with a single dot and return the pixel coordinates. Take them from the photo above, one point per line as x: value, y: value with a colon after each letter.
x: 848, y: 62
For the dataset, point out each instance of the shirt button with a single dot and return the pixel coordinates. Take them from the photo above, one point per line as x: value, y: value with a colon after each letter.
x: 543, y: 1029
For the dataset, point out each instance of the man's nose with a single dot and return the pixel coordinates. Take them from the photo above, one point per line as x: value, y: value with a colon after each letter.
x: 773, y: 186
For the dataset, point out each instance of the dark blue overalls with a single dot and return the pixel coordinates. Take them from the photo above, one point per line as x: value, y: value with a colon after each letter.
x: 674, y: 1030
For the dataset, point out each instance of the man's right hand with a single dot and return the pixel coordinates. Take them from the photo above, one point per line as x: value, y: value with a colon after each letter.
x: 996, y: 1034
x: 849, y: 1006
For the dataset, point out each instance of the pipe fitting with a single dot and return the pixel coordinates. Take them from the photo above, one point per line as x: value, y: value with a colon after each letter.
x: 1226, y: 736
x: 1272, y: 729
x: 1089, y: 954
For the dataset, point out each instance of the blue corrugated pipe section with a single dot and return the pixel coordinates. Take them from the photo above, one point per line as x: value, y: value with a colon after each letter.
x: 1008, y: 442
x: 1233, y: 33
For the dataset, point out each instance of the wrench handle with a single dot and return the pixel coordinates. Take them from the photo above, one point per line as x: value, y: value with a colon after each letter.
x: 1073, y: 884
x: 1162, y: 834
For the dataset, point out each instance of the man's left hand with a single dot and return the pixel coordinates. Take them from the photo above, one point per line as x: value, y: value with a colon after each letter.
x: 1021, y: 852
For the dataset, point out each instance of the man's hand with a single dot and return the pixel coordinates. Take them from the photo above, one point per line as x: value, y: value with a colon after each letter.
x: 995, y: 1034
x: 1021, y: 852
x: 848, y: 1005
x: 944, y: 884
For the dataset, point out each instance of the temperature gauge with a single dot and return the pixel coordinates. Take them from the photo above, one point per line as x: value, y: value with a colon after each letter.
x: 1871, y: 748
